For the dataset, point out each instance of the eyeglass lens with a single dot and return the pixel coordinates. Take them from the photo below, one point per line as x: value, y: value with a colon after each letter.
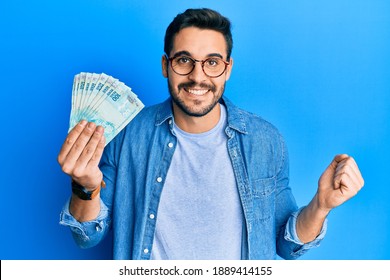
x: 213, y: 66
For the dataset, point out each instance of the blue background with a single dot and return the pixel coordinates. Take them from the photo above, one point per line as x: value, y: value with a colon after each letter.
x: 318, y: 70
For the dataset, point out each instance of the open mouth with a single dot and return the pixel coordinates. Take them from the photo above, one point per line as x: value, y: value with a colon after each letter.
x: 197, y: 92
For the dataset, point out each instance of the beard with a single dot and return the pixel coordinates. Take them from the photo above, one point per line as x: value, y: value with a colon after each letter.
x: 191, y: 109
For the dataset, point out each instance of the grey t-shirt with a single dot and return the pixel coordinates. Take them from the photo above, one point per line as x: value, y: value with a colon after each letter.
x: 200, y: 214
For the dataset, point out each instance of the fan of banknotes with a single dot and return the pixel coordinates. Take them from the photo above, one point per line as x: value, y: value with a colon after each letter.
x: 104, y: 100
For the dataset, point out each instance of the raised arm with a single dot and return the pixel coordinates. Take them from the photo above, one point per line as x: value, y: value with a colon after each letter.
x: 79, y: 158
x: 340, y: 181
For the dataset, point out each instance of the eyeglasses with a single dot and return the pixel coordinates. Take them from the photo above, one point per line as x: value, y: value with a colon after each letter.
x: 213, y: 67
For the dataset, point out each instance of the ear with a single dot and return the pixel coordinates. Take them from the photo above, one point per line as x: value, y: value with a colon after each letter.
x: 229, y: 69
x: 164, y: 65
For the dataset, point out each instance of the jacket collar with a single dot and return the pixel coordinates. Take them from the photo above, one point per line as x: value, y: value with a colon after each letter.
x: 164, y: 112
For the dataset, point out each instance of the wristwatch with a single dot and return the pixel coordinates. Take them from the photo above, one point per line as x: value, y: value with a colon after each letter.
x: 83, y: 193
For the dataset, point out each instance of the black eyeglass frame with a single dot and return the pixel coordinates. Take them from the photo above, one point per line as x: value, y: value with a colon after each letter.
x: 202, y: 62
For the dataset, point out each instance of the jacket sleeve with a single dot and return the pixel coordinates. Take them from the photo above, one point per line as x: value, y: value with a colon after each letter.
x: 288, y: 245
x: 90, y: 233
x: 295, y: 247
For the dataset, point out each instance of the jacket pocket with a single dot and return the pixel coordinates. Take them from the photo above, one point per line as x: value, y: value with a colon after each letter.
x: 264, y: 198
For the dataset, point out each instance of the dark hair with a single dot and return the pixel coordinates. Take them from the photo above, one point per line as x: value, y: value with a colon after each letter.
x: 203, y: 19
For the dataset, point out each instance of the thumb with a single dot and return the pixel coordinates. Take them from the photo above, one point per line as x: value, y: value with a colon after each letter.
x: 339, y: 158
x: 331, y: 169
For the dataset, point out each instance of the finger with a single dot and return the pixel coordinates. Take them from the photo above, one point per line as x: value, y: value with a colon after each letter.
x: 347, y: 184
x: 346, y: 168
x: 78, y: 147
x: 335, y: 162
x: 341, y: 184
x: 90, y: 149
x: 92, y: 170
x: 350, y: 165
x: 356, y: 170
x: 70, y: 140
x: 339, y: 158
x: 94, y: 161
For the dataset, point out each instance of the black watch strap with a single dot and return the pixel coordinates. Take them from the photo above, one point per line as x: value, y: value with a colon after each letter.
x: 83, y: 193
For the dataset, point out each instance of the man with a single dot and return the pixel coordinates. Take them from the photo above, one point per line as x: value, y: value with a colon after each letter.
x: 196, y: 177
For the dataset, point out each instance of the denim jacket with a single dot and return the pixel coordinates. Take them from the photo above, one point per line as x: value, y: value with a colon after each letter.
x: 135, y: 165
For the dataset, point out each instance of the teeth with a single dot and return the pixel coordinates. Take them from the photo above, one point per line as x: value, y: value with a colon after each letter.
x: 197, y: 91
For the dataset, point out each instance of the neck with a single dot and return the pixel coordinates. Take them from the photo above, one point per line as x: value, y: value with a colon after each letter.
x: 192, y: 124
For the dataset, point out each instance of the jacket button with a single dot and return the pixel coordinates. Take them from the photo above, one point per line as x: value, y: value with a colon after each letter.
x: 159, y: 179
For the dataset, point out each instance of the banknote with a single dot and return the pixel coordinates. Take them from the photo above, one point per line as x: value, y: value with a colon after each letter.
x: 104, y: 100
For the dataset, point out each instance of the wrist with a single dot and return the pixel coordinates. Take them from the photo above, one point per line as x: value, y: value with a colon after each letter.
x: 84, y: 193
x: 318, y: 208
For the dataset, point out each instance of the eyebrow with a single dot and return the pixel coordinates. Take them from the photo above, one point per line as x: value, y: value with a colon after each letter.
x: 187, y: 53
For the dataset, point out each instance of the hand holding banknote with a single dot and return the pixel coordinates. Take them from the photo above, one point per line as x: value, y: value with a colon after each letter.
x: 101, y: 107
x: 81, y: 153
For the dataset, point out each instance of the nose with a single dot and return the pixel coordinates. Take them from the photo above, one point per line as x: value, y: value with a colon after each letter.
x: 197, y: 75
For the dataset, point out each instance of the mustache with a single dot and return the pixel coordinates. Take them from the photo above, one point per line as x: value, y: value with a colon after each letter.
x: 194, y: 84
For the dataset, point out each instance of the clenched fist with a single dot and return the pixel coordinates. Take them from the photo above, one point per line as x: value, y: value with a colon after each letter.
x: 340, y: 181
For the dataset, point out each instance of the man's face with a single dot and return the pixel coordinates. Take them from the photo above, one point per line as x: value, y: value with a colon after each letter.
x: 196, y: 94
